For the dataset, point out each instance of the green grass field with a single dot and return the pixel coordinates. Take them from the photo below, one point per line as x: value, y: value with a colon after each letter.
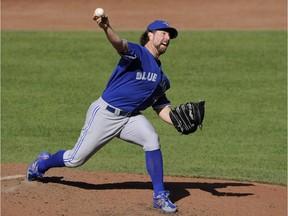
x: 49, y: 79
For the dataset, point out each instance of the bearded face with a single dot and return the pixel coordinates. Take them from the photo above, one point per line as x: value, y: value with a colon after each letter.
x: 161, y: 40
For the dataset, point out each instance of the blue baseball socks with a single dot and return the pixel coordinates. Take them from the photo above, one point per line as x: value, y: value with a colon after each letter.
x: 55, y: 160
x: 154, y: 166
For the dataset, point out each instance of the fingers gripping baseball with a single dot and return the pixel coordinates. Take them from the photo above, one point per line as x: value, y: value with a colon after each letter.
x: 101, y: 18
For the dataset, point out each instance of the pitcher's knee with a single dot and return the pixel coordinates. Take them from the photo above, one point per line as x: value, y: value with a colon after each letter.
x: 73, y: 160
x: 73, y: 163
x: 152, y: 143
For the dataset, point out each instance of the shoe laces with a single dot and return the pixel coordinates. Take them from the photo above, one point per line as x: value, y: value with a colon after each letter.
x: 163, y: 195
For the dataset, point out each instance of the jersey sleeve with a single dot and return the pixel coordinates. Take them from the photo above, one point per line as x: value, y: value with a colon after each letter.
x: 161, y: 103
x: 133, y: 51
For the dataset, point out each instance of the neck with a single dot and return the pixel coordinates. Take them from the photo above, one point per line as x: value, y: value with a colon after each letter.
x: 152, y: 50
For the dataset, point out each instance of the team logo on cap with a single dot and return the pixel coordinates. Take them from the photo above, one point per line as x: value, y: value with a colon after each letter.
x: 165, y: 23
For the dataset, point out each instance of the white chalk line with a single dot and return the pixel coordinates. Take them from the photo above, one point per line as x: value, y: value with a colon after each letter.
x: 5, y: 178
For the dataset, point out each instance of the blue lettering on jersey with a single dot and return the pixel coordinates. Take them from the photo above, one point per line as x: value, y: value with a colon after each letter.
x: 137, y: 82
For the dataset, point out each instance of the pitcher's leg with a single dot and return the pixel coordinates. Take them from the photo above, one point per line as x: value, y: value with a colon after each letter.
x: 140, y: 131
x: 99, y: 128
x: 154, y: 166
x: 45, y: 160
x: 88, y: 140
x: 55, y: 160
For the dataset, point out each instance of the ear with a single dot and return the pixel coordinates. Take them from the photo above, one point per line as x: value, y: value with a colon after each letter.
x: 150, y: 35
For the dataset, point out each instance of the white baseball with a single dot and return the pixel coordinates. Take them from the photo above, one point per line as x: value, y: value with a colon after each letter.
x: 99, y: 12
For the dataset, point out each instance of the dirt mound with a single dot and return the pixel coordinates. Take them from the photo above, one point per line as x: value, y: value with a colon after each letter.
x: 73, y: 192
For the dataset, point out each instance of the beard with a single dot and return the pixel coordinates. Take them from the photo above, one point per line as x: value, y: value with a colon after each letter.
x: 162, y: 48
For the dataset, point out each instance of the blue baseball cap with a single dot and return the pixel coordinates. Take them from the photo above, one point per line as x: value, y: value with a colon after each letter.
x: 162, y: 25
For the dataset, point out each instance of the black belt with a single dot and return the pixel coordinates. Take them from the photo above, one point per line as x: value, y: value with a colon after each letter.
x: 119, y: 112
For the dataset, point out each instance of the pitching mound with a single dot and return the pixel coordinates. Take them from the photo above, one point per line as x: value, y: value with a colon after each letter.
x: 73, y: 192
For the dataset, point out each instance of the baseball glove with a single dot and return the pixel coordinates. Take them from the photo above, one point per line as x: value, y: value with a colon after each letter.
x: 186, y: 118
